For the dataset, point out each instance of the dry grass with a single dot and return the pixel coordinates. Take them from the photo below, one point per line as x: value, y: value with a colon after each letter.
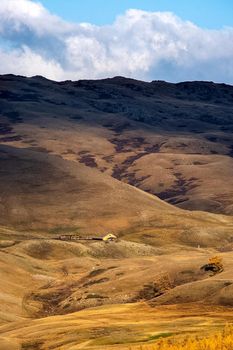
x: 117, y: 327
x: 55, y: 279
x: 222, y: 340
x: 156, y: 137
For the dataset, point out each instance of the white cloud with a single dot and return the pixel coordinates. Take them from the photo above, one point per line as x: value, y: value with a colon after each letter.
x: 140, y: 44
x: 26, y: 62
x: 19, y: 16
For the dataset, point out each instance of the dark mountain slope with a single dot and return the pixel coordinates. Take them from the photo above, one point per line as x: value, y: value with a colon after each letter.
x: 171, y: 140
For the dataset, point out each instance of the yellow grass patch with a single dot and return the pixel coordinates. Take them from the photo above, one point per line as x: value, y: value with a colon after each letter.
x: 221, y: 340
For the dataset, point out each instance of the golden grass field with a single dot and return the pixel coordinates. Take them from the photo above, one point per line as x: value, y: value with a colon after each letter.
x: 221, y: 340
x: 68, y: 296
x: 125, y: 327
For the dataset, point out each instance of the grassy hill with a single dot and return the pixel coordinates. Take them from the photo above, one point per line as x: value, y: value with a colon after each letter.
x: 149, y: 162
x: 170, y: 140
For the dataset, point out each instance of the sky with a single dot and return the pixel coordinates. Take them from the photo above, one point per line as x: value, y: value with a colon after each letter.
x: 212, y: 14
x: 173, y: 40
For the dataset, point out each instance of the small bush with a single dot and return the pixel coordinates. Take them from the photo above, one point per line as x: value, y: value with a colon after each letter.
x: 214, y: 265
x: 216, y: 260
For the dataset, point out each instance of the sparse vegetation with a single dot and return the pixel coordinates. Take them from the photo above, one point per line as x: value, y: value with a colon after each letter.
x: 214, y: 265
x: 156, y: 288
x: 219, y: 341
x: 64, y: 270
x: 217, y: 261
x: 32, y: 345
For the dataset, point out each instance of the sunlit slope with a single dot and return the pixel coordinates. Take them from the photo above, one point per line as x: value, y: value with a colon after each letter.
x: 170, y: 140
x: 39, y: 191
x: 120, y: 327
x: 44, y: 277
x: 44, y: 192
x: 44, y: 282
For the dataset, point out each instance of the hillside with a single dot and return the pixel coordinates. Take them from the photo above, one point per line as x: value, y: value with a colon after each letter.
x: 171, y: 140
x: 61, y: 295
x: 121, y: 156
x: 45, y: 192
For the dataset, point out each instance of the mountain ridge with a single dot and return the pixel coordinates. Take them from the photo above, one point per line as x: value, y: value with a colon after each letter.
x: 171, y: 140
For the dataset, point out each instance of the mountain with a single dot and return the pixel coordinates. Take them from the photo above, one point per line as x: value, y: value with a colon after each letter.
x: 173, y: 141
x: 149, y: 162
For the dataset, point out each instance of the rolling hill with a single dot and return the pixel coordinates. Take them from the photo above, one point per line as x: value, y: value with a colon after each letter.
x: 149, y: 162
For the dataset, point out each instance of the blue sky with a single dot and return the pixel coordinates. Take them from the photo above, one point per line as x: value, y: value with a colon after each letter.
x: 212, y: 14
x: 172, y: 40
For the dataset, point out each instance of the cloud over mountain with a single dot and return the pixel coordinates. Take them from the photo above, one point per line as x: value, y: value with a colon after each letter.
x: 139, y: 44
